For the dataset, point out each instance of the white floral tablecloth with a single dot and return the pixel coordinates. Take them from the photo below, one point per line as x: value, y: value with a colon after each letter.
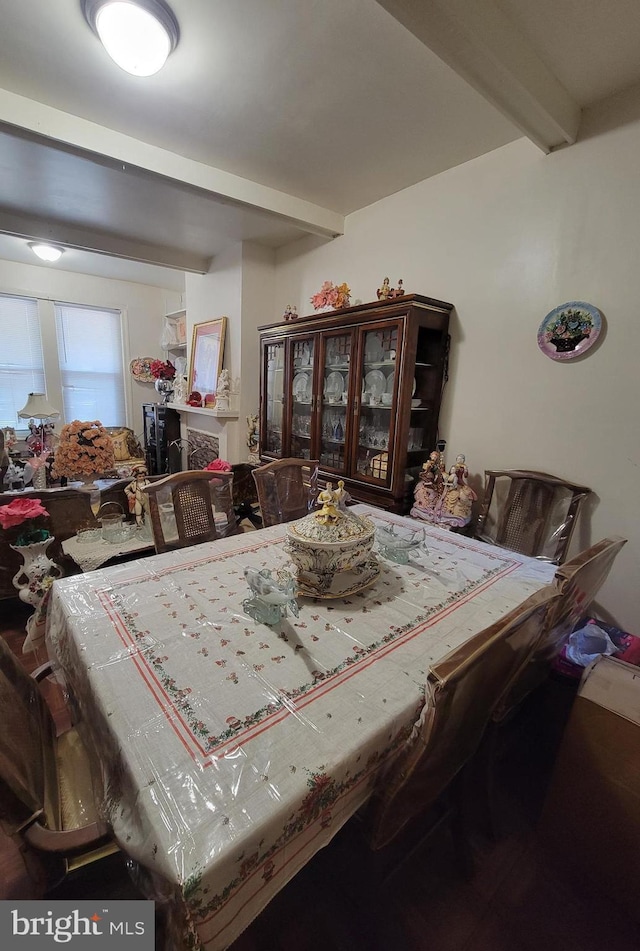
x: 234, y: 751
x: 91, y: 555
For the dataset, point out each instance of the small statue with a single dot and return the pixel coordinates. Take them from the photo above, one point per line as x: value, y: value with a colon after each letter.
x: 252, y: 433
x: 397, y: 291
x: 458, y: 496
x: 444, y: 498
x: 223, y: 388
x: 180, y: 385
x: 271, y: 597
x: 136, y: 496
x: 384, y: 292
x: 329, y: 499
x: 342, y: 497
x: 290, y: 312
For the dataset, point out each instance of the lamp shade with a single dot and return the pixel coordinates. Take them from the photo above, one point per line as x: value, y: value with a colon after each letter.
x: 37, y: 407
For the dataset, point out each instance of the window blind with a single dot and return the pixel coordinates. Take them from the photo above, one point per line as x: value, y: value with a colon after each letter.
x: 21, y: 361
x: 90, y: 358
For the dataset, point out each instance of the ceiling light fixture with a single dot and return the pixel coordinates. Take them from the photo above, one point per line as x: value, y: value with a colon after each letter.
x: 138, y: 35
x: 46, y: 252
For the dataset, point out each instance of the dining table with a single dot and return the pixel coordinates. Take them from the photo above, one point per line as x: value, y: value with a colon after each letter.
x: 232, y: 751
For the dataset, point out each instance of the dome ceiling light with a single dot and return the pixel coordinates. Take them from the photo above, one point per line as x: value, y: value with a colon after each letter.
x: 138, y: 36
x: 46, y: 252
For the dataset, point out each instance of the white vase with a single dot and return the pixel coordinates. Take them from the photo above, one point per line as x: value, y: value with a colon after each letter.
x: 29, y: 579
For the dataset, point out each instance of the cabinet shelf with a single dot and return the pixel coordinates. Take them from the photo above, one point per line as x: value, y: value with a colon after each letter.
x: 348, y: 352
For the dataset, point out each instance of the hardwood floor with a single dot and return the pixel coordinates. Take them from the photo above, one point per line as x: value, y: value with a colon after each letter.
x: 515, y: 901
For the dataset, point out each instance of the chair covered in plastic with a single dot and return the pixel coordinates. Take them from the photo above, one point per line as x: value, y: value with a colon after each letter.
x: 529, y: 512
x: 287, y: 489
x: 48, y: 796
x: 462, y: 692
x: 192, y: 507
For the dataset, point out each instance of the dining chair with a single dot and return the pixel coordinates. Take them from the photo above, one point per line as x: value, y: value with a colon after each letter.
x: 48, y: 798
x: 287, y: 489
x: 577, y: 582
x: 191, y: 507
x: 461, y: 693
x: 245, y: 494
x: 529, y: 512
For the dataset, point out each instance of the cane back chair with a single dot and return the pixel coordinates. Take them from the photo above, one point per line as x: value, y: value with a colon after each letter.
x: 287, y: 489
x: 530, y: 512
x: 188, y: 508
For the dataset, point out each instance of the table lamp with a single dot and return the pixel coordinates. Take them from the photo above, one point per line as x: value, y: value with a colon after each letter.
x: 38, y: 407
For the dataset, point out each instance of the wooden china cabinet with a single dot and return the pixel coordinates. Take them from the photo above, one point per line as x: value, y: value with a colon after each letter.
x: 359, y: 389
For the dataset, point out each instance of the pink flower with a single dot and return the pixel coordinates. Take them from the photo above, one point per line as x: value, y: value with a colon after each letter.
x: 21, y: 510
x: 218, y: 465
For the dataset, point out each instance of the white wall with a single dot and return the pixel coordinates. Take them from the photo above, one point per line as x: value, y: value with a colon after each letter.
x: 209, y: 296
x: 142, y: 306
x: 240, y: 285
x: 506, y: 238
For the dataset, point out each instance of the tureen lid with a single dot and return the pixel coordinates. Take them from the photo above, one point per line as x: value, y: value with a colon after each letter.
x: 333, y: 522
x: 345, y: 528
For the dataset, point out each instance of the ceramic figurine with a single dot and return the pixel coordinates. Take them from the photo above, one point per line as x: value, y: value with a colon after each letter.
x: 252, y: 433
x: 287, y: 312
x: 330, y: 499
x: 458, y: 497
x: 271, y: 598
x: 444, y: 498
x: 136, y: 497
x: 397, y: 291
x: 385, y: 291
x: 222, y: 392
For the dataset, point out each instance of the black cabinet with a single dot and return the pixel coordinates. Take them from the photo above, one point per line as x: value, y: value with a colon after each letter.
x: 161, y: 439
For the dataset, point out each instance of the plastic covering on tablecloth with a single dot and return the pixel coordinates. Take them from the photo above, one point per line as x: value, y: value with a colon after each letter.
x: 232, y: 751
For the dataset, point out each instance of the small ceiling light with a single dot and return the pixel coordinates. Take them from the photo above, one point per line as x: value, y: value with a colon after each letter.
x: 47, y: 252
x: 138, y: 35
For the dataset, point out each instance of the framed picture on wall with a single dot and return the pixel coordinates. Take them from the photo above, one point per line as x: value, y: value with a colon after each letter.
x: 207, y: 352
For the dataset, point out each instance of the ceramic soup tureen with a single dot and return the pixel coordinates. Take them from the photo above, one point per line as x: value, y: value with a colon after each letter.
x: 332, y: 548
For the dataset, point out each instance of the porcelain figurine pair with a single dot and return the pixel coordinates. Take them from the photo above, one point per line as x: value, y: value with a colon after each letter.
x: 444, y: 498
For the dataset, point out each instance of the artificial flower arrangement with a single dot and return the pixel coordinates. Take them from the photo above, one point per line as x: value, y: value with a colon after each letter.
x: 162, y: 369
x: 332, y: 295
x: 85, y: 449
x: 218, y: 465
x: 25, y: 512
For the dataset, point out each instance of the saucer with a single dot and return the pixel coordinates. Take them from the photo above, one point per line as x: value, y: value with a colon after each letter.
x: 343, y: 584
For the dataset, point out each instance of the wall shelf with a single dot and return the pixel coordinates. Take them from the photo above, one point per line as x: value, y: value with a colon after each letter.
x: 205, y: 411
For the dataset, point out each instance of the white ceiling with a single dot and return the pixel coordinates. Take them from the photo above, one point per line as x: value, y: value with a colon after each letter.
x: 275, y: 118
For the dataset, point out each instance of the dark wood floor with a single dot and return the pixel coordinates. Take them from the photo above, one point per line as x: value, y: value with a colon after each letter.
x: 516, y: 900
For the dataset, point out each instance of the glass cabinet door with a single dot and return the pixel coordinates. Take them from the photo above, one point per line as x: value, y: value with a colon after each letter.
x: 274, y: 397
x: 378, y: 400
x: 335, y: 417
x: 302, y: 354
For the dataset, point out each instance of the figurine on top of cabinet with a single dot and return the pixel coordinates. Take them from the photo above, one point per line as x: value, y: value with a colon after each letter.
x: 385, y: 291
x: 290, y: 312
x: 398, y: 291
x: 444, y: 498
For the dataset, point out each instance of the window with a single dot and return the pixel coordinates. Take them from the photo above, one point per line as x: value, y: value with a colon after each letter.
x: 90, y: 359
x: 70, y: 352
x: 21, y: 360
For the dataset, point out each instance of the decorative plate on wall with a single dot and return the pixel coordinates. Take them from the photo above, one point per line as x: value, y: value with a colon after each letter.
x: 569, y: 330
x: 141, y: 369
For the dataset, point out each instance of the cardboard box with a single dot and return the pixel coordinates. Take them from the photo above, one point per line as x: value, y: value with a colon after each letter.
x: 591, y: 819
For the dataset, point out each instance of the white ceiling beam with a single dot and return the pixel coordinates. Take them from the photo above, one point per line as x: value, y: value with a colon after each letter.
x: 478, y: 41
x: 32, y: 228
x: 90, y: 137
